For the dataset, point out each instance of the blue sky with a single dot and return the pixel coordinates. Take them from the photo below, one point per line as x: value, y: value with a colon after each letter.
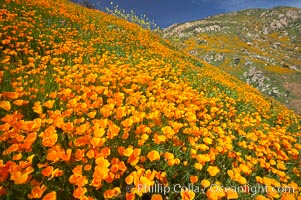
x: 168, y: 12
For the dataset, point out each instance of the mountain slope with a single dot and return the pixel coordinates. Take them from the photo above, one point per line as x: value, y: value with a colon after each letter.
x: 259, y: 46
x: 95, y: 107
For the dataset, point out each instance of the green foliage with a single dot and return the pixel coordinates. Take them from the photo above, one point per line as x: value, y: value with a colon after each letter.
x: 131, y: 16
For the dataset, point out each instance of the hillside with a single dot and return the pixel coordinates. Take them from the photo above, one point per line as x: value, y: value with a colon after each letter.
x: 95, y: 107
x: 259, y: 46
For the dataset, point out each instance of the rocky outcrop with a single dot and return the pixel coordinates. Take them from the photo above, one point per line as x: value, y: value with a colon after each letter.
x: 256, y: 78
x: 215, y: 57
x: 208, y: 29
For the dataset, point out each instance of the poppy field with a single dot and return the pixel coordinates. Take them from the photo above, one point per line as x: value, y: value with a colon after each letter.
x: 95, y: 107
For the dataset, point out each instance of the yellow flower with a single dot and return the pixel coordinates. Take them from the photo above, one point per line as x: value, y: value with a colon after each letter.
x: 49, y: 104
x: 5, y: 105
x: 215, y: 193
x: 213, y: 170
x: 261, y: 197
x: 168, y: 155
x: 187, y: 194
x: 205, y: 183
x: 153, y: 155
x: 207, y: 140
x: 128, y: 152
x: 198, y: 166
x: 37, y: 108
x: 231, y: 193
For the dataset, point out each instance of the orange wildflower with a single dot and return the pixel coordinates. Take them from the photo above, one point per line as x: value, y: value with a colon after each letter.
x: 49, y: 104
x: 56, y: 173
x: 87, y: 167
x: 37, y: 108
x: 37, y: 192
x: 187, y: 194
x: 47, y: 171
x: 193, y: 179
x: 231, y: 194
x: 205, y: 183
x: 261, y: 197
x: 287, y: 196
x: 2, y: 191
x: 130, y: 196
x: 108, y: 194
x: 21, y: 177
x: 156, y: 197
x: 128, y: 152
x: 213, y: 170
x: 92, y: 114
x: 114, y: 168
x: 50, y: 196
x: 216, y: 192
x: 79, y: 192
x: 153, y: 155
x: 5, y: 105
x: 168, y: 155
x: 20, y: 102
x: 113, y: 131
x: 49, y: 137
x: 101, y: 171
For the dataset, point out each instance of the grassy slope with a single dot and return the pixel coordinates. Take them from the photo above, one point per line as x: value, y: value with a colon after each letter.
x: 242, y: 38
x: 90, y: 103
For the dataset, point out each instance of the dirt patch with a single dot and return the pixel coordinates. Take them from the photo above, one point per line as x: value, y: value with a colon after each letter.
x: 294, y: 89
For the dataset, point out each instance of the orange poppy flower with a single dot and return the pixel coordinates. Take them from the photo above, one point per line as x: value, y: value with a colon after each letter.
x: 216, y: 192
x: 261, y: 197
x: 21, y: 178
x: 156, y: 197
x: 187, y: 194
x: 213, y: 170
x: 288, y: 196
x: 92, y: 114
x: 49, y: 104
x: 153, y: 155
x: 20, y: 102
x: 205, y: 183
x: 193, y: 179
x: 128, y: 152
x: 231, y: 194
x: 50, y: 196
x: 2, y: 191
x: 5, y: 105
x: 47, y: 171
x: 37, y: 108
x: 130, y: 196
x: 87, y: 167
x: 79, y: 192
x: 168, y: 155
x: 37, y: 192
x: 56, y: 173
x: 108, y: 194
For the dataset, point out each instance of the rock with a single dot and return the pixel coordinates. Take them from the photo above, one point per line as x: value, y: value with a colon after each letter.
x: 208, y: 29
x: 256, y: 78
x: 293, y: 67
x: 236, y: 60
